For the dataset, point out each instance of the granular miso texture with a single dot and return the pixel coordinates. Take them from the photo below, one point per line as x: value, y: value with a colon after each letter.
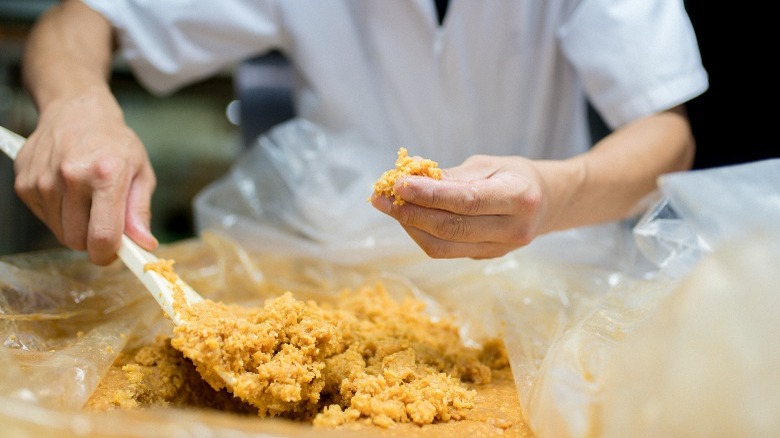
x: 275, y: 354
x: 366, y: 357
x: 157, y: 375
x: 404, y: 165
x: 363, y: 357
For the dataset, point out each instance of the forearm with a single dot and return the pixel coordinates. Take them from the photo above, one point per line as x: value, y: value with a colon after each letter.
x: 63, y: 60
x: 607, y: 182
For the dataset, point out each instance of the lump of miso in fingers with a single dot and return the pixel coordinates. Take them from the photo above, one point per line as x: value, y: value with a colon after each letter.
x: 405, y: 165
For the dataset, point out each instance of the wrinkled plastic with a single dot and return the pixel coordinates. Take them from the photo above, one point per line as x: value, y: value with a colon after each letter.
x: 691, y: 350
x: 704, y: 209
x: 63, y: 323
x: 567, y: 301
x: 663, y: 326
x: 305, y: 192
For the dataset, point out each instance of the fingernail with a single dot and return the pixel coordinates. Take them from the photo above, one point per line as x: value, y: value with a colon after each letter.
x: 154, y: 240
x: 383, y: 203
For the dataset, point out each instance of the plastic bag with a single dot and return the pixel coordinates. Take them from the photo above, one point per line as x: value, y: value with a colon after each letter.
x: 691, y: 350
x: 704, y: 209
x: 565, y: 303
x: 575, y: 309
x: 63, y: 323
x: 706, y: 362
x: 305, y: 192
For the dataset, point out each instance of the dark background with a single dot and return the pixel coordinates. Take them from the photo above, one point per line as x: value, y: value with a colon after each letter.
x: 735, y: 121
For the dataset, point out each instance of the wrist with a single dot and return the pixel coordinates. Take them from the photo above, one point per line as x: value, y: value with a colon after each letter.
x: 80, y: 102
x: 563, y: 182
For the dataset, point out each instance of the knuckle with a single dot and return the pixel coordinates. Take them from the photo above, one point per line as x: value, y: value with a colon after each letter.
x: 534, y: 202
x: 98, y: 172
x: 471, y: 203
x: 71, y: 172
x: 105, y: 169
x: 46, y: 186
x: 520, y: 236
x: 407, y: 215
x: 529, y: 201
x: 452, y: 228
x: 528, y: 207
x: 22, y: 187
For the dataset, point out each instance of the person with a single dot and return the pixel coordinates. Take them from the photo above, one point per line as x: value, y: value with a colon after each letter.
x: 496, y: 93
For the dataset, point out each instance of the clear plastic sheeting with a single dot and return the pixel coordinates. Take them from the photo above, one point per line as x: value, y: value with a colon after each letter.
x: 704, y: 209
x: 663, y: 328
x: 565, y: 302
x: 63, y: 322
x: 706, y: 362
x: 306, y: 192
x: 692, y: 350
x: 569, y: 301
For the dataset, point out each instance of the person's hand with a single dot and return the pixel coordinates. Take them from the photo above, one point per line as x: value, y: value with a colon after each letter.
x: 87, y: 176
x: 483, y: 208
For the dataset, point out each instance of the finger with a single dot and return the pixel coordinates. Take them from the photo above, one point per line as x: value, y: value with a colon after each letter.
x: 442, y: 249
x: 76, y: 204
x: 139, y: 213
x: 453, y: 227
x: 27, y: 182
x: 49, y: 201
x: 382, y: 203
x: 107, y: 215
x: 25, y: 190
x: 480, y: 197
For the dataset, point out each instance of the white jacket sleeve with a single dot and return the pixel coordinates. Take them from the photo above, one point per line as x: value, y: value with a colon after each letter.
x: 169, y: 44
x: 634, y: 57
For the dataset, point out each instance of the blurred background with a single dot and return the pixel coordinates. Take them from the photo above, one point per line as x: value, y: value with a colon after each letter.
x: 194, y: 135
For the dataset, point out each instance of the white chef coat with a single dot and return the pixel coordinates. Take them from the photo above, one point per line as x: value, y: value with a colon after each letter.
x: 499, y: 77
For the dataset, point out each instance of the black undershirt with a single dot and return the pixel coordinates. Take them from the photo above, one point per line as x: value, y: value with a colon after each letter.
x: 441, y: 9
